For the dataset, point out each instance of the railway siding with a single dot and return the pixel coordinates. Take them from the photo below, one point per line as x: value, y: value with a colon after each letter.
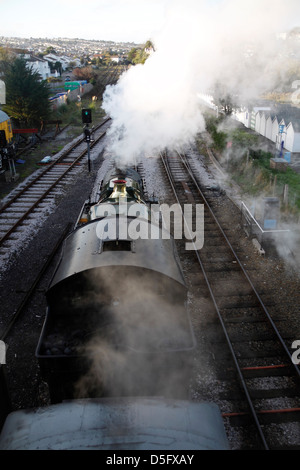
x: 26, y: 205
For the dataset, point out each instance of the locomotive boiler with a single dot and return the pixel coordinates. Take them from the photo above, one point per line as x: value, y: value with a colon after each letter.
x: 117, y: 322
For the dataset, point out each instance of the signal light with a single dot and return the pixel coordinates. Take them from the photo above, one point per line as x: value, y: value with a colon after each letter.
x: 87, y: 134
x: 86, y: 115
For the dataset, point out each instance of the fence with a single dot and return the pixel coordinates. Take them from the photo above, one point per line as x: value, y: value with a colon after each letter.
x: 254, y: 229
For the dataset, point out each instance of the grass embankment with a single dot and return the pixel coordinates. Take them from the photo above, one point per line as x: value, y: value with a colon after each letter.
x: 70, y: 114
x: 254, y: 175
x: 250, y: 167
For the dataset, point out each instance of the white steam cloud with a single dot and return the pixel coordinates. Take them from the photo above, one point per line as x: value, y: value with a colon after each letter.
x: 155, y: 105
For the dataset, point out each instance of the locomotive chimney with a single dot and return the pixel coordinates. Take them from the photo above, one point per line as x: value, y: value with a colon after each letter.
x: 119, y: 189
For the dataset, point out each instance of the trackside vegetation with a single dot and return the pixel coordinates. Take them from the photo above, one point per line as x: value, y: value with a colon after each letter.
x: 27, y: 100
x: 238, y: 150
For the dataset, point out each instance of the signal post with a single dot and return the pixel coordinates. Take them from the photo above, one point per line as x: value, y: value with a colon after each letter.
x: 86, y: 115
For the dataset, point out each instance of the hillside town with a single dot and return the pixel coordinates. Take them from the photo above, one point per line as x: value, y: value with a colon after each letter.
x: 64, y: 52
x: 273, y: 119
x: 72, y: 48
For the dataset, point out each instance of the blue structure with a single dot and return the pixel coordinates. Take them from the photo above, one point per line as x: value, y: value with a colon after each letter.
x: 120, y: 424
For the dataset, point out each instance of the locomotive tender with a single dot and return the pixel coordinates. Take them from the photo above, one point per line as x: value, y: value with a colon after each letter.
x: 117, y: 321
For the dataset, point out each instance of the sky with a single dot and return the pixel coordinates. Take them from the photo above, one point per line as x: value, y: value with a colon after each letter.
x: 114, y: 20
x: 201, y: 44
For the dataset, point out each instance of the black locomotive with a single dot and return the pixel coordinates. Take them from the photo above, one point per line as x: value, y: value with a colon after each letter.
x: 117, y: 321
x: 117, y: 336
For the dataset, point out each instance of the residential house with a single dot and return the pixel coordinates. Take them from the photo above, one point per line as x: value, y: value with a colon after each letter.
x: 275, y: 130
x: 269, y: 124
x: 53, y: 58
x: 292, y: 140
x: 258, y: 115
x: 263, y: 124
x: 248, y: 115
x: 243, y: 115
x: 38, y: 65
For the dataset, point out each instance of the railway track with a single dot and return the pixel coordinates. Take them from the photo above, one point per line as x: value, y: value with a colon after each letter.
x: 29, y: 202
x: 257, y: 349
x: 261, y: 361
x: 20, y: 150
x: 30, y: 292
x: 109, y: 76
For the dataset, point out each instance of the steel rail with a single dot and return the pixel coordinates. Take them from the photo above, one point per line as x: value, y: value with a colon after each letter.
x: 51, y: 187
x: 255, y: 413
x: 279, y: 337
x: 33, y: 286
x: 241, y: 377
x: 48, y: 168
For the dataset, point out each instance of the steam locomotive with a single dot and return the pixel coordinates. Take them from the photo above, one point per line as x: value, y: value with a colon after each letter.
x: 117, y: 341
x: 116, y: 321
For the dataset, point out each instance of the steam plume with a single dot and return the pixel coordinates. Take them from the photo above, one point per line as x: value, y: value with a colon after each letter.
x: 155, y: 105
x: 141, y: 332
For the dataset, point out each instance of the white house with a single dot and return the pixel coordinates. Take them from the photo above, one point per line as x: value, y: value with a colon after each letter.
x: 64, y: 60
x: 258, y: 120
x: 75, y: 61
x: 280, y: 125
x: 242, y: 115
x: 39, y: 65
x: 263, y: 124
x: 292, y: 140
x: 275, y: 130
x: 254, y: 115
x: 269, y: 124
x: 53, y: 58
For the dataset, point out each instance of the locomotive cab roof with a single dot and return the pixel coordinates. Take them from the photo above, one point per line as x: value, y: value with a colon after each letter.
x: 3, y: 116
